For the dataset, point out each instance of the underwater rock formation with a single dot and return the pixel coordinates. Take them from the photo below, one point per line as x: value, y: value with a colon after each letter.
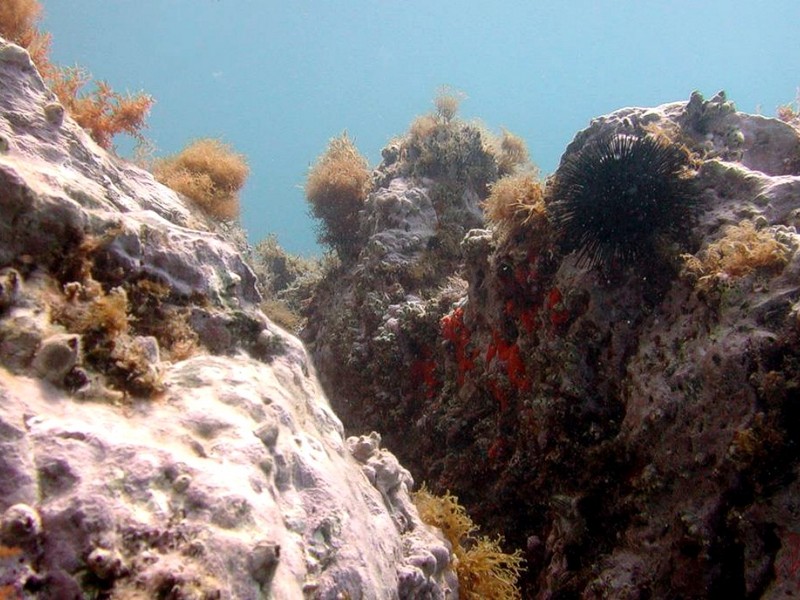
x: 632, y: 425
x: 159, y: 437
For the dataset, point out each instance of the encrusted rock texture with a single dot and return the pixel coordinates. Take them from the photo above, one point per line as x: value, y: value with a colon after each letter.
x: 159, y: 437
x: 633, y: 428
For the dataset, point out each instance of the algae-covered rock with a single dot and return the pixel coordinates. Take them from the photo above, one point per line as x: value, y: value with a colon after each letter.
x: 628, y: 422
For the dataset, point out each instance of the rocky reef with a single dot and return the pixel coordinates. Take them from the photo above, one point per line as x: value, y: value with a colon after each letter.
x: 625, y: 413
x: 159, y: 436
x: 602, y: 366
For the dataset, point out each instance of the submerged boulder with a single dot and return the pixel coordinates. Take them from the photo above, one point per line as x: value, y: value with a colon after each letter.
x: 630, y: 421
x: 159, y: 436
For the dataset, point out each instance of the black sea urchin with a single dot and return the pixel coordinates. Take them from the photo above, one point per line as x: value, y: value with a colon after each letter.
x: 618, y: 195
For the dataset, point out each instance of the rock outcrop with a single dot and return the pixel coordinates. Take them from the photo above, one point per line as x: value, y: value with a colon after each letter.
x: 159, y: 437
x: 632, y: 427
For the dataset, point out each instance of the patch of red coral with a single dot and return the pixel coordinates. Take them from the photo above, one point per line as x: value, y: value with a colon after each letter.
x: 423, y: 370
x: 558, y: 313
x: 454, y: 331
x: 509, y: 354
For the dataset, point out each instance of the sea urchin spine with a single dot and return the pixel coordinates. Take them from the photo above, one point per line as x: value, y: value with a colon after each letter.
x: 618, y: 195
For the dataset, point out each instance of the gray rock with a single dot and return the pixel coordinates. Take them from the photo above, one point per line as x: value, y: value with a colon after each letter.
x: 79, y: 190
x: 110, y: 491
x: 54, y: 112
x: 175, y: 497
x: 647, y: 407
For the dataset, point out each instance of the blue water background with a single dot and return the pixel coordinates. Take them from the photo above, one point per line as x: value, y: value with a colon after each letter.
x: 277, y: 80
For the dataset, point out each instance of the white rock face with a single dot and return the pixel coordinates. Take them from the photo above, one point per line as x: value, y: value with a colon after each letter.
x: 238, y: 480
x: 235, y: 482
x: 58, y: 184
x: 401, y: 220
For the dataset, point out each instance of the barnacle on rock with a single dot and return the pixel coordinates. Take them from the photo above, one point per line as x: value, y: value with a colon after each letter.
x: 263, y: 561
x: 20, y: 523
x: 56, y: 356
x: 10, y: 283
x: 614, y: 199
x: 104, y: 563
x: 54, y: 112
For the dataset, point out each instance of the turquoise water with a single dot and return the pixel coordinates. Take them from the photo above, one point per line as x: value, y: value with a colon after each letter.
x: 278, y: 79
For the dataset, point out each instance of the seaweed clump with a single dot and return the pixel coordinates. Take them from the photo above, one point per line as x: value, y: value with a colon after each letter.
x: 619, y: 197
x: 516, y: 201
x: 741, y: 250
x: 484, y: 570
x: 209, y: 173
x: 103, y: 320
x: 443, y: 147
x: 336, y: 189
